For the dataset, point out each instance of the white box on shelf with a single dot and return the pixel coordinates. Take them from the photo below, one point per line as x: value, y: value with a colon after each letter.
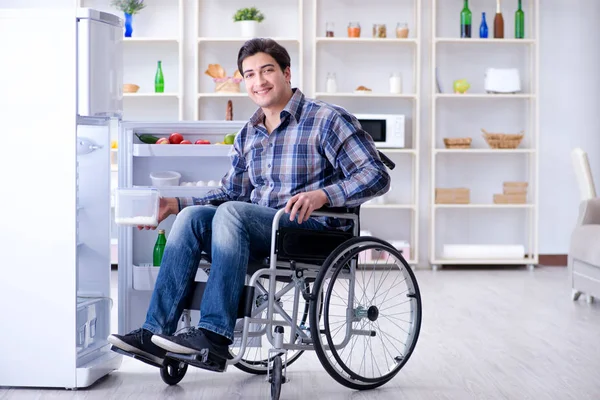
x: 483, y: 251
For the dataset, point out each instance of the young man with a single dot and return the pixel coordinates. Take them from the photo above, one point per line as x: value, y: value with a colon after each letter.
x: 294, y: 153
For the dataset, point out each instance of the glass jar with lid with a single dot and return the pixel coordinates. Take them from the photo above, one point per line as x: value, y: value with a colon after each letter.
x: 379, y: 31
x: 402, y: 30
x: 354, y: 30
x: 329, y: 29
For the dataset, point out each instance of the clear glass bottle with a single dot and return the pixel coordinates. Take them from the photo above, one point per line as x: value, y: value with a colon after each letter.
x: 353, y: 30
x: 331, y: 84
x: 402, y: 30
x: 329, y: 29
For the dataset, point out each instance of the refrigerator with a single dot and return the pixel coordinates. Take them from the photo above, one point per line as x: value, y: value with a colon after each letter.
x: 61, y: 94
x: 61, y: 101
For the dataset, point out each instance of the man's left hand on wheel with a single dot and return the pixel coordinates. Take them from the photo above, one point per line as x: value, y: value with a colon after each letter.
x: 303, y: 204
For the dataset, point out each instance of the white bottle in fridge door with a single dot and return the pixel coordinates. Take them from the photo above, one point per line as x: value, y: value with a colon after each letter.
x: 331, y: 83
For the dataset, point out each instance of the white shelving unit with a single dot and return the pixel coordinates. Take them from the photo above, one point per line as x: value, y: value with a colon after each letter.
x: 481, y: 168
x: 217, y: 35
x: 150, y: 40
x: 369, y: 61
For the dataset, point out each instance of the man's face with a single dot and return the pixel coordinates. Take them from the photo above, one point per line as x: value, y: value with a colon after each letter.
x: 266, y: 84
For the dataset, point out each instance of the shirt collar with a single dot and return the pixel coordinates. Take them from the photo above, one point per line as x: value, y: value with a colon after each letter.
x: 293, y: 107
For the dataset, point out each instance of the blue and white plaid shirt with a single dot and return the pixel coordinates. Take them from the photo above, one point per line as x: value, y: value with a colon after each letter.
x: 316, y: 146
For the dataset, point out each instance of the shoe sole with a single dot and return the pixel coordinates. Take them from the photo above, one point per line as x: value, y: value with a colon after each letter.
x: 115, y: 341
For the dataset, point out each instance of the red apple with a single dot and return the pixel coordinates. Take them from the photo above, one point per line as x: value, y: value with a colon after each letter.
x: 185, y: 142
x: 202, y: 141
x: 176, y: 138
x: 162, y: 141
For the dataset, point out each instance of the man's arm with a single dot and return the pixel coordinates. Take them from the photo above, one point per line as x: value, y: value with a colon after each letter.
x: 352, y: 150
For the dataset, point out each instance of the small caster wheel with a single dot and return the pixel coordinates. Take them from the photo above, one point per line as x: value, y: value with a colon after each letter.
x: 276, y: 378
x: 575, y: 295
x: 173, y: 372
x: 435, y: 267
x: 589, y: 298
x: 530, y: 267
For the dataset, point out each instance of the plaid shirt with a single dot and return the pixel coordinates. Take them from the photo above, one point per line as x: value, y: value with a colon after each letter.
x: 316, y: 146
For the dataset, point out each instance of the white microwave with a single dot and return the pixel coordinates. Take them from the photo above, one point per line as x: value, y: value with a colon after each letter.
x: 387, y: 130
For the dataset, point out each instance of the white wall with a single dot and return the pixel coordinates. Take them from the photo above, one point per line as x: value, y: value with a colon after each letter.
x: 569, y: 82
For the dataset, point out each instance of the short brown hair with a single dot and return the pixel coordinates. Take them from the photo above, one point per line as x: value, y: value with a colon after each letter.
x: 262, y: 45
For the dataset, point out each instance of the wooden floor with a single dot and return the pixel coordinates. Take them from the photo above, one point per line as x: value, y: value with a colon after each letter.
x: 486, y: 334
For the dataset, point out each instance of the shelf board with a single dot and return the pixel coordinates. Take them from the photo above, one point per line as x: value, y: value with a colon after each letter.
x: 241, y: 39
x: 365, y: 95
x: 483, y: 96
x: 389, y: 206
x: 484, y: 41
x: 150, y: 39
x: 185, y: 191
x: 219, y: 94
x: 181, y: 150
x: 151, y: 94
x: 484, y: 261
x: 484, y: 151
x: 484, y: 205
x: 323, y: 39
x: 397, y: 151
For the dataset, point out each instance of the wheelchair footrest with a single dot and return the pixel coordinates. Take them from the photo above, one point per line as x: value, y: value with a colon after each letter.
x: 136, y: 356
x: 203, y: 359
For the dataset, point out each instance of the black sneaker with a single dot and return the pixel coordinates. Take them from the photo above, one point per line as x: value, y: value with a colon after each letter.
x: 139, y: 342
x: 191, y: 342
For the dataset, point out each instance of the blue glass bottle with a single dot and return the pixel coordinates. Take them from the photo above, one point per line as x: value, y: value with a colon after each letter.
x: 128, y: 25
x: 483, y: 28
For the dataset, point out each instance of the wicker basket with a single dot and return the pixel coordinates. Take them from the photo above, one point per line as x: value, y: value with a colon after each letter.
x: 503, y: 140
x: 130, y: 88
x: 457, y: 143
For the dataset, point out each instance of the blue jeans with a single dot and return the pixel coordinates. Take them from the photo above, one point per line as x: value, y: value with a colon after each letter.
x: 231, y: 235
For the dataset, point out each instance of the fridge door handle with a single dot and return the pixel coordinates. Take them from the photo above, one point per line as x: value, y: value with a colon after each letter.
x: 86, y: 146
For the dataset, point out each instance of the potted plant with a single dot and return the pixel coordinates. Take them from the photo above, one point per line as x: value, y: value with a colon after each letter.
x: 129, y: 7
x: 248, y: 19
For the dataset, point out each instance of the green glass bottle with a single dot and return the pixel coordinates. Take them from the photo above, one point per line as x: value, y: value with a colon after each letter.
x: 159, y: 248
x: 519, y: 23
x: 465, y: 21
x: 159, y: 80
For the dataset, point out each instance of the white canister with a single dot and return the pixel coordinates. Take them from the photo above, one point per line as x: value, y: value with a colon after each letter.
x: 331, y: 85
x: 395, y: 83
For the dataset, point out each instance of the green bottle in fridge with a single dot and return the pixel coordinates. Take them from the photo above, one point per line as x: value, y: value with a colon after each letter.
x: 159, y: 79
x: 159, y: 247
x: 519, y: 23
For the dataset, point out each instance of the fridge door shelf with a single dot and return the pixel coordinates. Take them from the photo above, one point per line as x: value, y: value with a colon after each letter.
x: 144, y: 277
x: 181, y: 150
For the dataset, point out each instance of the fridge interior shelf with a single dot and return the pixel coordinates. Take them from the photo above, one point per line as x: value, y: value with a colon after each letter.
x: 178, y: 150
x: 144, y: 276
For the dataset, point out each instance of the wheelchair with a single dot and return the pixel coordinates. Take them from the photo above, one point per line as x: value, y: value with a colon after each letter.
x: 354, y: 300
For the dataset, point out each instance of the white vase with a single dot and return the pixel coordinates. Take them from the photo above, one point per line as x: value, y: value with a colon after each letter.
x: 248, y: 28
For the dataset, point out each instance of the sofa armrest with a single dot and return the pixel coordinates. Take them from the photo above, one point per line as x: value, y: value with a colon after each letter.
x: 589, y: 212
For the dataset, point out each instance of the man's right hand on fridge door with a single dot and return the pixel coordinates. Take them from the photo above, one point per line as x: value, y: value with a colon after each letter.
x: 167, y: 206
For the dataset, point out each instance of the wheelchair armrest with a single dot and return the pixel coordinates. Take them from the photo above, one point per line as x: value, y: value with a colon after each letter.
x: 386, y: 161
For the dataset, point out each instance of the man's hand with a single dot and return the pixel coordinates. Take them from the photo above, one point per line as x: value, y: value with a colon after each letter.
x: 166, y: 207
x: 303, y: 204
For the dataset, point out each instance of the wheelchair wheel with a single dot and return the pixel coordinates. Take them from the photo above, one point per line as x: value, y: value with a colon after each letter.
x: 173, y: 372
x: 372, y: 313
x: 256, y: 358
